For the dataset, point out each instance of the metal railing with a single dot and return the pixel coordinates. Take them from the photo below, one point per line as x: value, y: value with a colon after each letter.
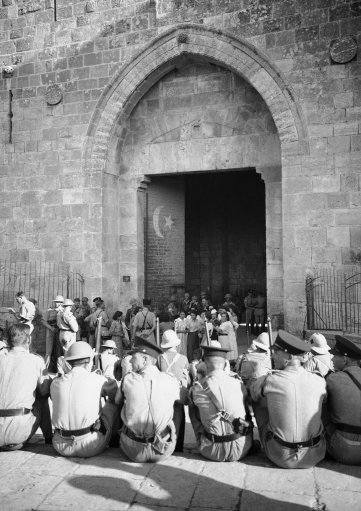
x: 39, y: 280
x: 334, y: 300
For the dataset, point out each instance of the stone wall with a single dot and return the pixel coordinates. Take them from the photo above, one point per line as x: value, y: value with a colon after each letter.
x: 54, y: 184
x: 164, y: 261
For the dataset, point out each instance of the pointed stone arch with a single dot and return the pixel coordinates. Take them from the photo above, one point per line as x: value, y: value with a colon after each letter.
x: 102, y: 145
x: 162, y: 55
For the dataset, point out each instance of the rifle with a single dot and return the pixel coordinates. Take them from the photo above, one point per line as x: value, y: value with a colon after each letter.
x: 157, y: 332
x: 207, y: 334
x: 269, y: 329
x: 98, y: 335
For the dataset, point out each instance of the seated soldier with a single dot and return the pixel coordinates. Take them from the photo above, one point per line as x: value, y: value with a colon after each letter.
x: 174, y: 363
x: 218, y: 411
x: 257, y: 362
x: 342, y: 416
x: 82, y: 428
x: 107, y: 358
x: 147, y: 397
x: 23, y: 392
x: 320, y: 359
x: 289, y: 421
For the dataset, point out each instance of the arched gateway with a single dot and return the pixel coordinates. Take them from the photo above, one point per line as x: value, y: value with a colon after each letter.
x: 126, y: 172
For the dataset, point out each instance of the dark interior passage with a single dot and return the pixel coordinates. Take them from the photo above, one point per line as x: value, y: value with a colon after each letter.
x: 225, y: 242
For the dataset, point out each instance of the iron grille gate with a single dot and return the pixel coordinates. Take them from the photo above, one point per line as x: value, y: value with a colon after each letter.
x: 334, y: 300
x: 39, y: 280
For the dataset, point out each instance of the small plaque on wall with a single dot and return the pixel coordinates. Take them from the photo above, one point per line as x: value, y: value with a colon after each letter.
x: 126, y: 278
x: 343, y: 50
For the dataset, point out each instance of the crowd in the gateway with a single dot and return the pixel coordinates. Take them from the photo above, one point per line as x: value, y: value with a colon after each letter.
x: 125, y: 381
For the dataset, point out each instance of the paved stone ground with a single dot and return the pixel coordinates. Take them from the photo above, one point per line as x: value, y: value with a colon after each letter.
x: 38, y: 479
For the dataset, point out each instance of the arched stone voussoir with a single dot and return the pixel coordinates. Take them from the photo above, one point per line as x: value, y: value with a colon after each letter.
x: 163, y: 54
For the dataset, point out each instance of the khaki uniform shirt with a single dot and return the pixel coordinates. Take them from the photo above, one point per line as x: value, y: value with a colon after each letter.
x: 20, y: 374
x: 67, y: 321
x: 319, y: 364
x: 76, y: 399
x: 294, y: 399
x: 144, y: 320
x: 148, y: 401
x: 230, y: 393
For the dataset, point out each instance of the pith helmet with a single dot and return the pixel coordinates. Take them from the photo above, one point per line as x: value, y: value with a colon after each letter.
x: 170, y: 339
x: 79, y: 350
x: 59, y: 299
x: 68, y: 302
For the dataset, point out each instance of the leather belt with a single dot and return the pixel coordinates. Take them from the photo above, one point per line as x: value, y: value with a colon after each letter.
x: 143, y: 440
x: 347, y: 428
x: 14, y: 412
x: 226, y: 438
x: 97, y: 426
x: 294, y: 445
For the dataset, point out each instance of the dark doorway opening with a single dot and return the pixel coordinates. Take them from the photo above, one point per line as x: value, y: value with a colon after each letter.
x: 205, y: 232
x: 225, y: 233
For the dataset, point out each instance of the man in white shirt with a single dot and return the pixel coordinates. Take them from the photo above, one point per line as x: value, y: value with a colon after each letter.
x: 82, y: 427
x: 26, y: 312
x: 67, y: 324
x: 23, y: 392
x: 147, y: 397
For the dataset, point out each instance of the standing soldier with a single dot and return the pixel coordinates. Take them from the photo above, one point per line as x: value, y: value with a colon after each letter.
x: 82, y: 427
x: 67, y: 324
x: 26, y: 312
x: 144, y: 323
x: 289, y: 421
x: 147, y: 397
x: 343, y: 406
x: 130, y: 315
x: 218, y: 411
x: 23, y: 393
x: 93, y: 320
x: 52, y: 347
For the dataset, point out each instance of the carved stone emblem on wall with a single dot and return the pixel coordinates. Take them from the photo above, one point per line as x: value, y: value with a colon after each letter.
x: 182, y: 38
x: 53, y: 94
x: 343, y: 50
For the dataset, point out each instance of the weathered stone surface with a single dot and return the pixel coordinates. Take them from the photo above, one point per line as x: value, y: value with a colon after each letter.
x: 304, y: 93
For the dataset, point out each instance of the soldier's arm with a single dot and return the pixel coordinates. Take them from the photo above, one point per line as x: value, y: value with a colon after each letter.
x: 257, y: 387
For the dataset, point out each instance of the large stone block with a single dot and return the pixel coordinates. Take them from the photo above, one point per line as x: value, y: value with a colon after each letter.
x: 326, y: 183
x: 338, y: 236
x: 351, y: 217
